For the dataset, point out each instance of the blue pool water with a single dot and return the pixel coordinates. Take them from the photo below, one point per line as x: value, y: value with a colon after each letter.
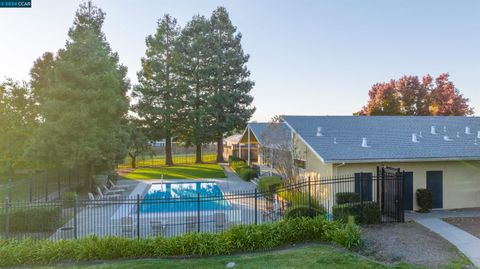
x: 175, y: 197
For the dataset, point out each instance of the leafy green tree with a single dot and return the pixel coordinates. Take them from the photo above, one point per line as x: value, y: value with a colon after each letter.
x: 17, y: 118
x: 195, y: 64
x: 84, y: 103
x: 137, y: 142
x: 161, y: 97
x: 230, y: 103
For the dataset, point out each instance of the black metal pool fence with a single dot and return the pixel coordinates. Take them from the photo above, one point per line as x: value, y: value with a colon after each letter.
x: 137, y: 217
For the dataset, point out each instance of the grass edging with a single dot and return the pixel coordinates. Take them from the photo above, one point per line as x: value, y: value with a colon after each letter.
x: 238, y: 239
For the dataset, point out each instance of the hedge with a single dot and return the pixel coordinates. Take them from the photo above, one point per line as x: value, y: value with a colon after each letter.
x: 36, y: 219
x: 247, y: 173
x: 297, y: 198
x: 268, y: 185
x: 370, y: 213
x: 302, y: 211
x: 237, y: 239
x: 424, y: 200
x: 347, y: 197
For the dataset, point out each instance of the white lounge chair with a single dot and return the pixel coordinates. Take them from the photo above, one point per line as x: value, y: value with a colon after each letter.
x: 117, y: 186
x: 106, y: 196
x: 94, y: 202
x: 111, y: 191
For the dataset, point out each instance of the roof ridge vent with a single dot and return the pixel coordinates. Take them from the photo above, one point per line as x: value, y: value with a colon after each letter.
x: 433, y: 131
x: 365, y: 143
x: 319, y: 131
x: 446, y: 138
x: 467, y: 130
x: 414, y: 138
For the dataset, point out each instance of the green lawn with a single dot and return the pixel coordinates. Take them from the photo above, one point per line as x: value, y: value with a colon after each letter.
x: 190, y: 171
x: 159, y: 160
x: 298, y: 258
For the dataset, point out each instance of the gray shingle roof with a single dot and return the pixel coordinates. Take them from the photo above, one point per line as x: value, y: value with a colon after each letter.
x: 271, y: 134
x: 389, y: 137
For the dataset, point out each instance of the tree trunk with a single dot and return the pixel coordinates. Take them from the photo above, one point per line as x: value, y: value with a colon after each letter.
x: 168, y: 150
x: 134, y: 161
x: 220, y: 150
x: 198, y: 153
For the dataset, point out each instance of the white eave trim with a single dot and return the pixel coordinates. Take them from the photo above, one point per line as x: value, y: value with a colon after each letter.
x: 305, y: 142
x: 441, y: 159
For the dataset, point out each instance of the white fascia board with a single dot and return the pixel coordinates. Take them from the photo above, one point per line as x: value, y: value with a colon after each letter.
x: 305, y: 142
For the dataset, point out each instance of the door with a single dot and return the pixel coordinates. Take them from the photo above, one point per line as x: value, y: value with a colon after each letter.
x: 435, y: 185
x: 366, y: 187
x: 408, y: 191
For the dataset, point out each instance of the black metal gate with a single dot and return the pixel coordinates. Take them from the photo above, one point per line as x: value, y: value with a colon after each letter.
x: 390, y: 194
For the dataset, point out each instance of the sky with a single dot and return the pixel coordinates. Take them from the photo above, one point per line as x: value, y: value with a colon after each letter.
x: 306, y: 57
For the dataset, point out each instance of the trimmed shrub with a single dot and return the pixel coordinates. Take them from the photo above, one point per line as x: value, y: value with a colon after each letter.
x: 268, y: 185
x: 341, y: 212
x: 347, y: 197
x: 68, y: 199
x: 236, y: 165
x: 424, y: 200
x: 370, y: 213
x: 247, y: 173
x: 302, y: 211
x: 232, y: 158
x: 38, y: 219
x: 297, y: 198
x: 240, y: 238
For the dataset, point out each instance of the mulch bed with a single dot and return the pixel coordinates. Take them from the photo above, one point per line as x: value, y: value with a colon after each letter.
x: 407, y: 242
x: 470, y: 225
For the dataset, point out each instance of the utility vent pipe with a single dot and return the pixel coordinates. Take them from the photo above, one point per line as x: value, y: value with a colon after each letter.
x: 458, y: 134
x: 319, y: 131
x: 478, y: 134
x: 446, y: 138
x: 365, y: 143
x: 335, y: 140
x: 444, y: 129
x: 467, y: 130
x: 421, y: 135
x: 433, y: 131
x: 414, y: 138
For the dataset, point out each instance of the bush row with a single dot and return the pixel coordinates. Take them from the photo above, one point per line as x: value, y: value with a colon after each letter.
x: 237, y: 239
x: 268, y: 185
x: 242, y: 169
x: 298, y: 198
x: 368, y: 213
x: 35, y: 219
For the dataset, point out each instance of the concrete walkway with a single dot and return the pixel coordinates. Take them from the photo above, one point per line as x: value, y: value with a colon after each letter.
x: 465, y: 242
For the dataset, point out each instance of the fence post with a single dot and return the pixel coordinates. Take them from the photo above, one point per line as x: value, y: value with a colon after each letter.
x: 59, y: 186
x: 361, y: 197
x: 9, y: 189
x: 46, y: 186
x: 309, y: 196
x: 256, y: 207
x: 378, y: 185
x: 138, y: 216
x: 198, y: 212
x: 7, y: 217
x: 30, y: 193
x: 75, y: 204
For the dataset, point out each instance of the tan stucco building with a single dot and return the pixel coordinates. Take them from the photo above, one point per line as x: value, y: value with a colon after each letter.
x: 438, y: 153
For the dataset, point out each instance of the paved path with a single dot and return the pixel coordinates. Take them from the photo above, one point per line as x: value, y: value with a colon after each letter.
x: 465, y: 242
x: 234, y: 183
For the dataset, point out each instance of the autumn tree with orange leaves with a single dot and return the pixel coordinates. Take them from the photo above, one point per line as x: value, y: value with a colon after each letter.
x: 411, y: 97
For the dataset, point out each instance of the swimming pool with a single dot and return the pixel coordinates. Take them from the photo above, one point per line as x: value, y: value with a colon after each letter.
x: 183, y: 196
